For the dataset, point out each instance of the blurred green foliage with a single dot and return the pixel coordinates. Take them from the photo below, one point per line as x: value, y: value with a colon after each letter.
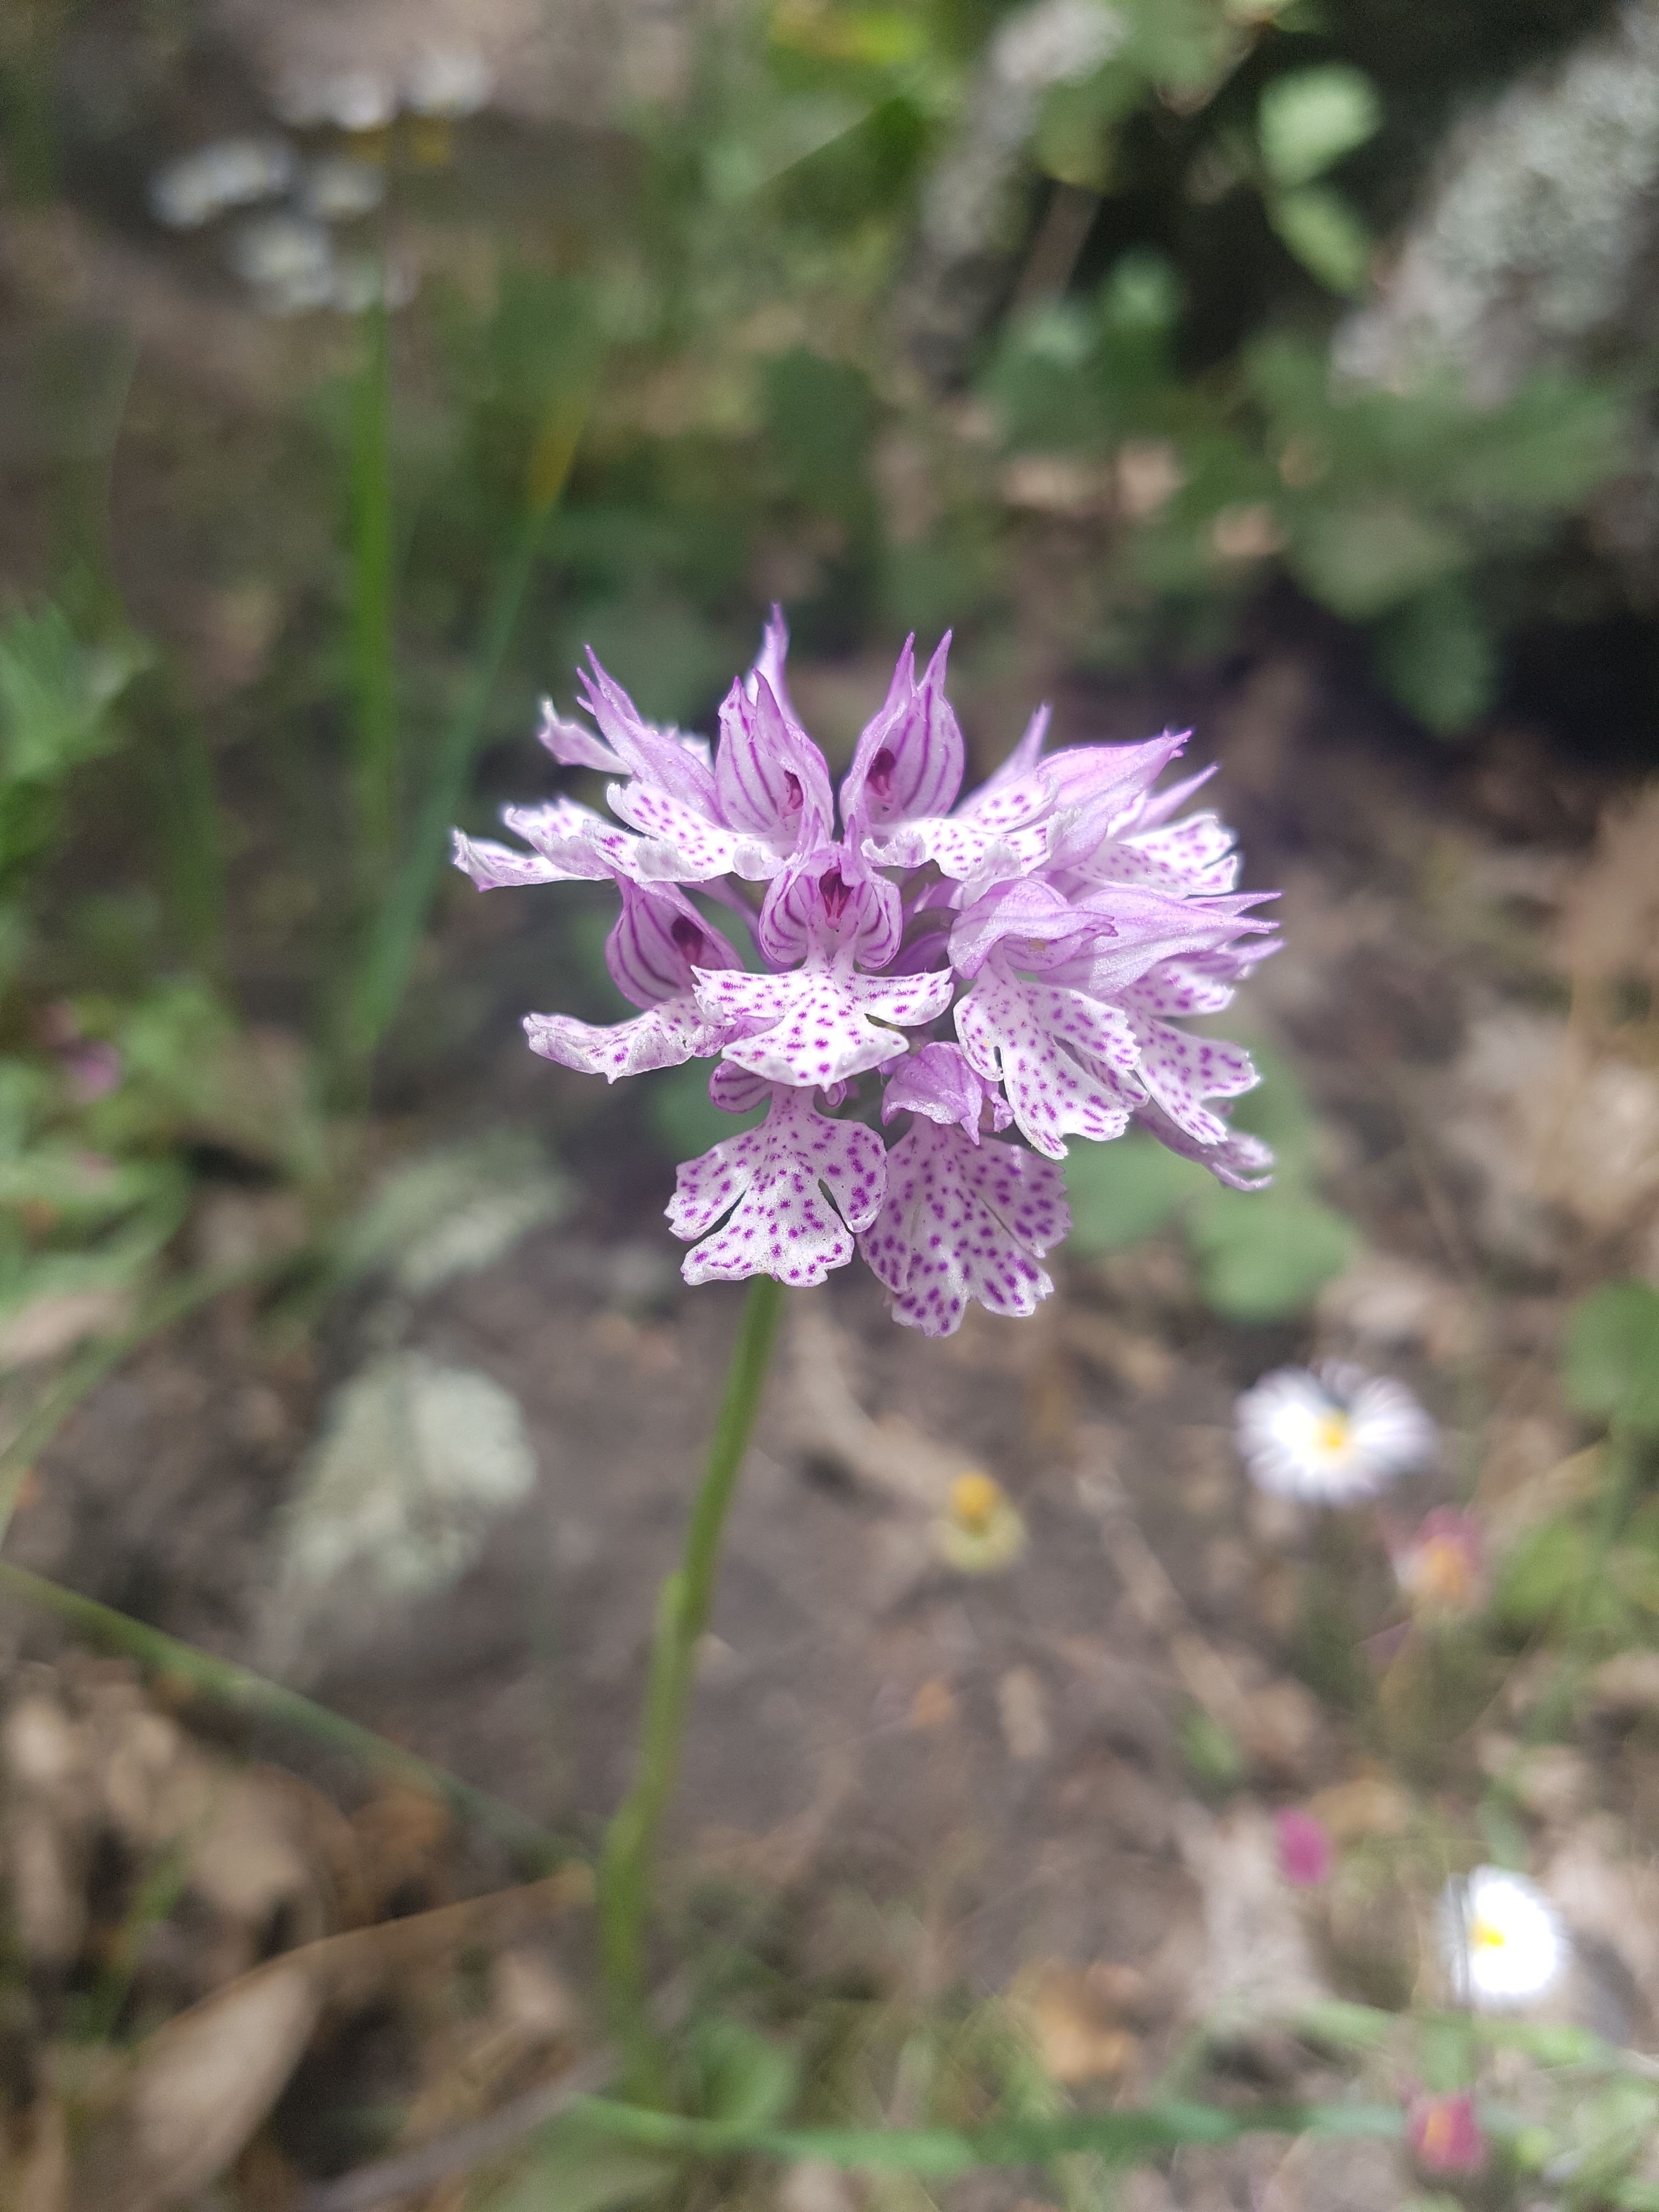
x: 1259, y: 1256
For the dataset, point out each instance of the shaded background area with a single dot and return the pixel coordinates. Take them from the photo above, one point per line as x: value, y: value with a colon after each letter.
x: 1285, y: 375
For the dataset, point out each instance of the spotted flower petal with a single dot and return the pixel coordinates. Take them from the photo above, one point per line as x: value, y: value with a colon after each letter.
x: 964, y: 1219
x: 769, y: 1185
x: 1066, y: 1063
x: 823, y: 1022
x: 663, y: 1037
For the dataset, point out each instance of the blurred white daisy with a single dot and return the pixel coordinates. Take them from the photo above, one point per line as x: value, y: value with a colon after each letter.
x: 1500, y: 1937
x: 353, y: 99
x: 229, y: 172
x: 288, y: 261
x: 449, y: 81
x: 338, y: 188
x: 1330, y: 1433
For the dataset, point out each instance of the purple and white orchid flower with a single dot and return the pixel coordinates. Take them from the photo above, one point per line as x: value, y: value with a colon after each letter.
x: 1062, y: 920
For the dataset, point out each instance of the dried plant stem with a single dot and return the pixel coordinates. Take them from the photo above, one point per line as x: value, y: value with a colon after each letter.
x: 626, y: 1863
x: 240, y: 1690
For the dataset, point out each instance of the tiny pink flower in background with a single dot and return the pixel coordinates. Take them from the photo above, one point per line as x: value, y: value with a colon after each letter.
x: 1007, y: 970
x: 1441, y: 1567
x: 90, y: 1067
x: 1330, y: 1433
x: 1444, y: 2133
x: 1305, y: 1851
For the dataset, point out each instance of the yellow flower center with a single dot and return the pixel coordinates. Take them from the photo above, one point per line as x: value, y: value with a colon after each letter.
x: 1332, y: 1433
x: 1439, y: 2132
x: 973, y: 1502
x: 1443, y: 1573
x: 1487, y: 1935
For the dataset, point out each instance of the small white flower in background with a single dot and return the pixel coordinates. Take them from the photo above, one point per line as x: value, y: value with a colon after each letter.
x: 351, y: 100
x: 338, y: 188
x: 288, y: 260
x: 230, y: 172
x: 1500, y: 1937
x: 362, y: 281
x: 1330, y: 1433
x: 450, y: 81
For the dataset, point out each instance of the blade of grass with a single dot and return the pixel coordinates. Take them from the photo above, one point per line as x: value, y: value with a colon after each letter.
x: 186, y: 801
x: 377, y: 988
x: 1123, y: 2135
x: 372, y: 673
x: 240, y: 1690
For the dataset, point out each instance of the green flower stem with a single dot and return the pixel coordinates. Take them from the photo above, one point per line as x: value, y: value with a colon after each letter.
x: 627, y: 1862
x: 372, y: 667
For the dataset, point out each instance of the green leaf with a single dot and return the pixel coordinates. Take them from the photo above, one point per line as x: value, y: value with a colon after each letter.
x: 1144, y: 291
x: 823, y: 416
x: 579, y: 2169
x: 1345, y: 2027
x: 1211, y: 1751
x: 55, y: 695
x: 1438, y: 657
x: 746, y: 2082
x: 684, y: 1118
x: 1312, y: 118
x: 1610, y: 1359
x: 1447, y: 2054
x: 1324, y: 234
x: 1075, y: 140
x: 1125, y: 1190
x: 1363, y: 559
x: 1542, y: 1575
x: 1266, y: 1256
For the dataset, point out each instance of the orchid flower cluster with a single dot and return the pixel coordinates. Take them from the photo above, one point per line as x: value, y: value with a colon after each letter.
x: 1018, y: 959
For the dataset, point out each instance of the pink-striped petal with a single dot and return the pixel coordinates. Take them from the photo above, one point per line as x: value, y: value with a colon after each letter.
x: 659, y: 939
x: 574, y: 746
x: 909, y: 758
x: 772, y: 1182
x: 940, y: 1083
x: 770, y: 780
x: 679, y: 765
x: 962, y: 1221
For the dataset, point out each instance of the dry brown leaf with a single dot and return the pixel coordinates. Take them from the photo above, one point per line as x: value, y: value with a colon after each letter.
x: 1367, y: 1806
x: 1075, y: 2037
x: 1610, y: 917
x: 199, y: 2088
x: 34, y: 2166
x: 890, y: 1455
x: 1627, y: 1684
